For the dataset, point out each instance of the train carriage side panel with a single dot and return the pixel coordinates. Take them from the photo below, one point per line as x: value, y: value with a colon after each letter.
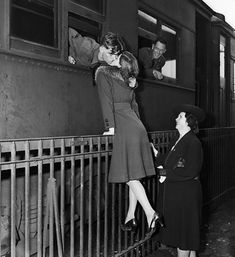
x: 40, y: 99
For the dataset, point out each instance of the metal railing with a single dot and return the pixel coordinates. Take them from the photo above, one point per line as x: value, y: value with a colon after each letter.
x: 55, y: 199
x: 218, y: 171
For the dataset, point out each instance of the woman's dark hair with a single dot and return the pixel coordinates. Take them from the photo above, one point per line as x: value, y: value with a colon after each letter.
x: 113, y: 41
x: 192, y: 122
x: 129, y: 66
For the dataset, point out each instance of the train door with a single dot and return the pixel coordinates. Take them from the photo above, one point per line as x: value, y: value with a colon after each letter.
x: 202, y: 62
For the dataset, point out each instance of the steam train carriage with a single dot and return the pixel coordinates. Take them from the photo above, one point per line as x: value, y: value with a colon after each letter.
x: 43, y: 95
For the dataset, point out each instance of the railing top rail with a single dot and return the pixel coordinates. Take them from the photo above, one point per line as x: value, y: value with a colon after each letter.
x: 96, y: 136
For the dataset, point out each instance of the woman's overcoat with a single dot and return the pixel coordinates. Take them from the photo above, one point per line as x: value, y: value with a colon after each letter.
x: 182, y: 194
x: 131, y: 156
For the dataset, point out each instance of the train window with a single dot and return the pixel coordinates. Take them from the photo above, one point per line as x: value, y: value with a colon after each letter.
x: 84, y: 26
x: 222, y: 60
x: 149, y: 29
x: 35, y: 21
x: 169, y: 69
x: 87, y: 17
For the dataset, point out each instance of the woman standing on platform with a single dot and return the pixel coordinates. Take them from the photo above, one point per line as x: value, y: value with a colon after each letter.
x: 131, y: 156
x: 182, y: 196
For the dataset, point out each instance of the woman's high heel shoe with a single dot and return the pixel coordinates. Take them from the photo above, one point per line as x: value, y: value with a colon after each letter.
x: 131, y: 225
x: 155, y: 220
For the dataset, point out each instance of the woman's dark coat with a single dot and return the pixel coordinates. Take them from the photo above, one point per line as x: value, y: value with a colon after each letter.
x: 182, y: 194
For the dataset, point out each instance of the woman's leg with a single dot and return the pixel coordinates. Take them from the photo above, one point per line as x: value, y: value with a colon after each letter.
x: 132, y: 206
x: 183, y: 253
x: 138, y: 190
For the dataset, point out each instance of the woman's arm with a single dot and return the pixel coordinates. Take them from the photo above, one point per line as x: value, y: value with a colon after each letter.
x: 135, y: 106
x: 106, y: 98
x: 188, y: 166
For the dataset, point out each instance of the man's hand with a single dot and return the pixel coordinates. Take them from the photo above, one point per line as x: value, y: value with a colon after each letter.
x: 158, y: 74
x: 109, y: 132
x: 71, y: 59
x: 132, y: 82
x: 155, y: 151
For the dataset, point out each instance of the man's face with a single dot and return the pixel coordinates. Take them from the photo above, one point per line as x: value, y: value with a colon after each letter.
x: 105, y: 54
x: 158, y: 49
x: 181, y: 121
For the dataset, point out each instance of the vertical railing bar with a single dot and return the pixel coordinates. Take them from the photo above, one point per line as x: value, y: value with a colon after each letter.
x: 90, y: 200
x: 143, y: 223
x: 56, y: 214
x: 217, y: 156
x: 51, y: 221
x: 40, y: 185
x: 119, y: 248
x: 125, y: 213
x: 215, y: 171
x: 98, y: 216
x: 1, y: 214
x: 113, y: 218
x: 131, y: 241
x: 72, y: 207
x: 27, y: 190
x: 62, y: 192
x: 150, y: 192
x: 220, y: 185
x: 106, y: 215
x: 138, y: 236
x: 13, y: 200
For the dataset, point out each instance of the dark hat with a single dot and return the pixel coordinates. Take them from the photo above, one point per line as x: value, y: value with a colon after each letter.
x: 194, y: 110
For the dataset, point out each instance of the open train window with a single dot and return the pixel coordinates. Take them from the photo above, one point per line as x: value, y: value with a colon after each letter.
x: 87, y: 17
x: 95, y: 5
x: 151, y: 27
x: 84, y: 26
x: 34, y: 21
x: 169, y: 69
x: 147, y: 29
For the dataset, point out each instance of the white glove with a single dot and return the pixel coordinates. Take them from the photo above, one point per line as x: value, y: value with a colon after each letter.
x: 132, y: 82
x: 155, y: 151
x: 109, y: 132
x: 71, y: 59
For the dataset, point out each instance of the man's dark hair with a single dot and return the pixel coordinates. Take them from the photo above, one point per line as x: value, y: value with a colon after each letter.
x: 192, y: 122
x: 129, y: 66
x: 161, y: 40
x: 113, y: 41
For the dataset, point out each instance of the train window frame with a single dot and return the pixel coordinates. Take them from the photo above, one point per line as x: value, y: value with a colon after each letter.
x: 87, y: 7
x: 146, y: 35
x: 90, y: 20
x: 233, y: 81
x: 19, y: 43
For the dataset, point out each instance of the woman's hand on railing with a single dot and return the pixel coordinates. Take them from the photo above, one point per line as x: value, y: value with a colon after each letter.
x: 109, y: 132
x: 155, y: 151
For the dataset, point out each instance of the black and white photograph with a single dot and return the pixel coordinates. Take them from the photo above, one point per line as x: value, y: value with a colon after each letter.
x: 117, y: 128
